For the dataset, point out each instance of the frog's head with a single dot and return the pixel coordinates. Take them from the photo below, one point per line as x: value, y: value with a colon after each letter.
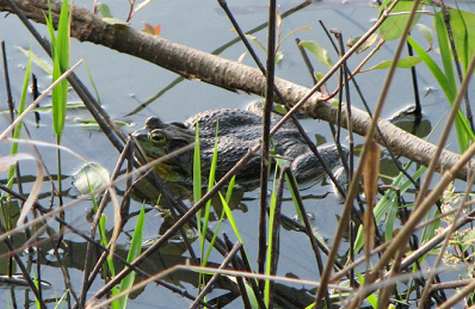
x: 158, y: 139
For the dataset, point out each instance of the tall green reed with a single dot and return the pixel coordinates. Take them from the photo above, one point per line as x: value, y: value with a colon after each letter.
x: 60, y: 49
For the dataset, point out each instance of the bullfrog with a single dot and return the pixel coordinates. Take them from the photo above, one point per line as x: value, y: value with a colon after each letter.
x: 237, y: 132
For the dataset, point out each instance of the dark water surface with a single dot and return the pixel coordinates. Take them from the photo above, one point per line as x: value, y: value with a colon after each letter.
x: 123, y: 81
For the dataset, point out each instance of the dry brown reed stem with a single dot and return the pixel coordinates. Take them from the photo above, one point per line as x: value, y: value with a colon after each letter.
x: 421, y: 209
x: 279, y: 95
x: 357, y: 69
x: 452, y: 301
x: 401, y: 277
x: 370, y: 175
x: 455, y: 284
x: 353, y: 187
x: 453, y: 227
x: 443, y: 215
x: 367, y: 58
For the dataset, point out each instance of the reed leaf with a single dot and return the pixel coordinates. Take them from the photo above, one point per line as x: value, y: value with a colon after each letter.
x: 445, y: 53
x: 462, y: 22
x: 134, y: 251
x: 211, y: 181
x: 230, y: 217
x: 60, y: 64
x: 270, y: 235
x: 370, y: 187
x: 393, y: 27
x: 464, y: 133
x: 18, y: 127
x: 197, y: 167
x: 104, y: 240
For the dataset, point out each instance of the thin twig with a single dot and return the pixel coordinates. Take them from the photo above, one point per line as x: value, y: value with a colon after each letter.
x: 215, y: 276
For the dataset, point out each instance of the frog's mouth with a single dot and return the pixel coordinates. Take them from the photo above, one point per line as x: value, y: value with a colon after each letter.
x: 168, y: 170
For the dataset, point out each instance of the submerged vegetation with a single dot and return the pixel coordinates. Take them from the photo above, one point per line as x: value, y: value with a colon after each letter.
x: 403, y: 235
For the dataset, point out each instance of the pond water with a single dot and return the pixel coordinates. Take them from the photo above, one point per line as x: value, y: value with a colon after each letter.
x: 123, y: 82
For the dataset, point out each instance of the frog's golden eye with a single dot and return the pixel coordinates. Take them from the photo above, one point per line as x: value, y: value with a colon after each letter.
x: 157, y: 137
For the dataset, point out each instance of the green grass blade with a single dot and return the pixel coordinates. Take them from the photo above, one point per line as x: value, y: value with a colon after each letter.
x: 134, y: 251
x: 104, y: 240
x: 36, y: 282
x: 445, y: 52
x: 230, y: 190
x: 197, y: 166
x: 270, y: 234
x: 433, y: 68
x: 230, y: 217
x: 197, y: 175
x: 430, y: 230
x: 50, y: 27
x: 60, y: 64
x: 216, y: 231
x: 393, y: 26
x: 211, y: 181
x: 252, y: 297
x: 465, y: 135
x: 463, y: 23
x: 18, y: 127
x: 225, y: 208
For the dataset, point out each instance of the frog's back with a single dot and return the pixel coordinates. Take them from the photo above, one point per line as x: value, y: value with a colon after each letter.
x: 230, y: 121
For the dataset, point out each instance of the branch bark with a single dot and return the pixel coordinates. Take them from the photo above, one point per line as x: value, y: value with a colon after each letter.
x: 195, y: 64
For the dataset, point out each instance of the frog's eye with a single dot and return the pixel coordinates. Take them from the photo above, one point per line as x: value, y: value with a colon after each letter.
x: 157, y: 137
